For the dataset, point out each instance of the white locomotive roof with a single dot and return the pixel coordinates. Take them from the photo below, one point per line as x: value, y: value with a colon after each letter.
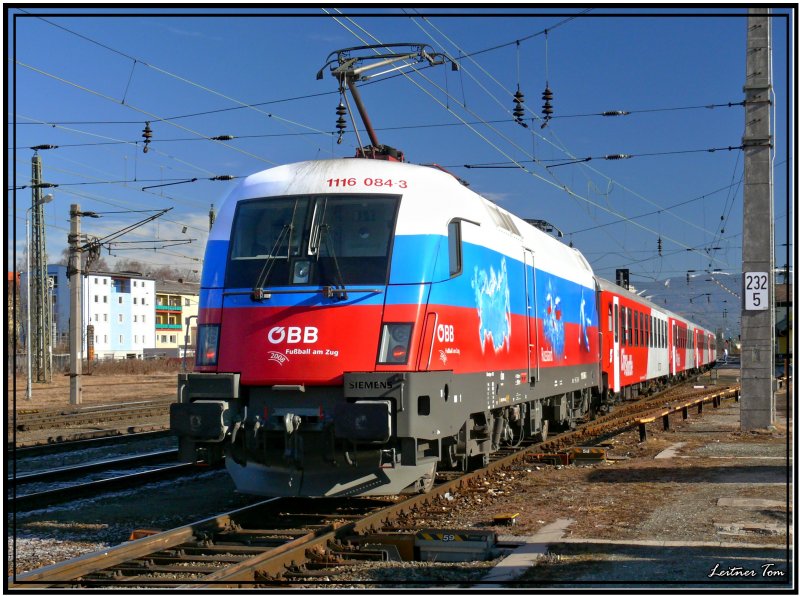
x: 431, y: 198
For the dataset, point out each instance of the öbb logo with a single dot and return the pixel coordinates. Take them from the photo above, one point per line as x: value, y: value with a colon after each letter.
x: 445, y: 333
x: 293, y: 335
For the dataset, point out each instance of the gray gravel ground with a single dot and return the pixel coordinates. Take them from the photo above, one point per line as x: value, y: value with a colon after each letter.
x: 622, y: 504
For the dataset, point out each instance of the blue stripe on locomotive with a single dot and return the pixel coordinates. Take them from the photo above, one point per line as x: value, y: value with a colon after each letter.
x: 422, y: 259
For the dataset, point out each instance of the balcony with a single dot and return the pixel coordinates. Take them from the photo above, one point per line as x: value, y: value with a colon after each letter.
x: 169, y: 307
x: 168, y: 326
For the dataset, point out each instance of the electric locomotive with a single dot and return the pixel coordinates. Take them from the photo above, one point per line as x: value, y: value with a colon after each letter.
x: 364, y: 322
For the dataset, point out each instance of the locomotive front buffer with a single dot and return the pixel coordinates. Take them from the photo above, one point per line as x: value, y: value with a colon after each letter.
x: 363, y: 436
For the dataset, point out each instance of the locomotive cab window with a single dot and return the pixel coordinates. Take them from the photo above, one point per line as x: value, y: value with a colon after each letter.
x: 312, y: 240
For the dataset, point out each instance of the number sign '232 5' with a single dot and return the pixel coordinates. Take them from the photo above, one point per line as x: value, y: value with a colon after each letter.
x: 756, y: 291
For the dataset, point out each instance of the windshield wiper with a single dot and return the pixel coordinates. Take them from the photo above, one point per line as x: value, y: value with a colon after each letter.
x: 263, y: 276
x: 339, y: 290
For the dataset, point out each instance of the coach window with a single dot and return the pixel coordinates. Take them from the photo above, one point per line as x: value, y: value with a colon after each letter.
x: 610, y: 318
x: 616, y: 323
x: 454, y: 247
x: 628, y: 327
x: 642, y: 334
x: 640, y: 316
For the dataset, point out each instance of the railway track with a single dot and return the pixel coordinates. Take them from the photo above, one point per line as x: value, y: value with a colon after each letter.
x: 280, y: 541
x: 69, y: 492
x: 49, y: 419
x: 109, y: 439
x: 66, y: 473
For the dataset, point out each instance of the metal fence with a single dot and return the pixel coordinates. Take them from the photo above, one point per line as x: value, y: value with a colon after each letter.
x: 19, y: 362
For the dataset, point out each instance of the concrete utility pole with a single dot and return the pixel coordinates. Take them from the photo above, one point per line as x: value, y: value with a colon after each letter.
x: 75, y: 310
x: 758, y: 316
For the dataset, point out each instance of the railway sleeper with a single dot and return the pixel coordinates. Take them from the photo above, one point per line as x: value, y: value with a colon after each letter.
x: 162, y: 558
x: 219, y: 546
x: 205, y: 569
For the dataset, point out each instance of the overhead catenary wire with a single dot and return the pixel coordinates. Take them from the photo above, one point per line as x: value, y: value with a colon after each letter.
x: 168, y: 182
x: 137, y: 109
x: 559, y: 185
x: 299, y: 133
x: 180, y: 78
x: 563, y: 147
x: 115, y: 203
x: 118, y: 141
x: 536, y: 134
x: 609, y: 157
x: 674, y: 205
x: 604, y: 113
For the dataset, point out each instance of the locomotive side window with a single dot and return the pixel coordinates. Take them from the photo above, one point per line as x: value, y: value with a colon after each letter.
x: 454, y: 247
x: 312, y: 240
x: 610, y: 318
x: 616, y: 323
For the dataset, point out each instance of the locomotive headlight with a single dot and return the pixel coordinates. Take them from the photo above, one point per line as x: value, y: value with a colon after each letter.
x: 395, y: 338
x: 207, y: 345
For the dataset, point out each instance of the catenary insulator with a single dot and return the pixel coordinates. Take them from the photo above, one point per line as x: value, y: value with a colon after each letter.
x: 519, y: 109
x: 341, y: 123
x: 147, y: 134
x: 547, y: 107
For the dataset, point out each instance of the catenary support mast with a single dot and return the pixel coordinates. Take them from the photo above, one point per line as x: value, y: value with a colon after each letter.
x: 758, y: 319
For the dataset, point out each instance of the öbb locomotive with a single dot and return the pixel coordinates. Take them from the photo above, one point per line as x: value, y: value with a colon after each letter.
x: 365, y: 322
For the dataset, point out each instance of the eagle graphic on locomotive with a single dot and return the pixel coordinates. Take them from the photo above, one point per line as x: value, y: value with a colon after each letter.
x: 365, y: 321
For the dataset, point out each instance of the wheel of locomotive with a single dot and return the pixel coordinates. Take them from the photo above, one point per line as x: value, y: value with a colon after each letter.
x: 426, y: 482
x: 476, y: 462
x: 451, y: 459
x: 541, y: 436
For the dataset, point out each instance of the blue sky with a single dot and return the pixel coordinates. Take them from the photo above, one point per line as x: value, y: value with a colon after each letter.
x: 95, y: 80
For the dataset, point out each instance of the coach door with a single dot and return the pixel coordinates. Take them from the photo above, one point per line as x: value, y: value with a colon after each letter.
x: 615, y: 358
x: 530, y: 293
x: 673, y: 340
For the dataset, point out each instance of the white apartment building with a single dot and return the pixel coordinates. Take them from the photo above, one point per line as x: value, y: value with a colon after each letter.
x: 118, y: 315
